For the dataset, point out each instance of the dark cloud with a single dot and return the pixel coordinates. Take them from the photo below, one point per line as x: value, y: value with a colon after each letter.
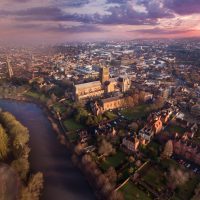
x: 120, y: 14
x: 159, y: 31
x: 20, y: 1
x: 124, y: 14
x: 183, y: 7
x: 155, y: 9
x: 49, y: 14
x: 61, y: 28
x: 73, y: 3
x: 76, y: 29
x: 117, y: 1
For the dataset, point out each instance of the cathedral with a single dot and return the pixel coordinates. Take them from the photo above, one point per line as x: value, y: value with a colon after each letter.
x: 105, y: 85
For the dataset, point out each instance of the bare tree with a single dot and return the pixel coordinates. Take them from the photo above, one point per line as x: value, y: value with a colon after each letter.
x: 105, y: 148
x: 116, y: 195
x: 111, y: 175
x: 168, y: 150
x: 177, y: 177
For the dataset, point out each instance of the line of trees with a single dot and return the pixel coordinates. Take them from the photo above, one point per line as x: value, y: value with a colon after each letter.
x: 104, y: 183
x: 14, y: 151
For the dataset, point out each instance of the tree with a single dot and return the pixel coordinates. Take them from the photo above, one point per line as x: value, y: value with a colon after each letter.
x: 116, y: 195
x: 19, y: 134
x: 135, y: 99
x: 105, y: 148
x: 7, y: 119
x: 131, y: 159
x: 35, y: 185
x: 86, y: 159
x: 101, y: 179
x: 81, y: 114
x: 159, y: 103
x: 142, y: 96
x: 134, y: 126
x: 177, y: 177
x: 21, y: 137
x: 197, y: 193
x: 21, y: 166
x: 53, y: 98
x: 3, y: 143
x: 106, y: 189
x: 168, y: 150
x: 78, y: 149
x: 34, y: 188
x: 111, y: 175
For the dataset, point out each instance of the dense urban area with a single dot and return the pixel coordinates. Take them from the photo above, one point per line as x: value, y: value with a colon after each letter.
x: 129, y: 113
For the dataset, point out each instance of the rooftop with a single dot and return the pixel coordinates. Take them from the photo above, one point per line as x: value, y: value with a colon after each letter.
x: 88, y: 85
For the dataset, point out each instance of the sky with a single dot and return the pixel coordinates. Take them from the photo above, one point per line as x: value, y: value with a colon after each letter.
x: 53, y: 21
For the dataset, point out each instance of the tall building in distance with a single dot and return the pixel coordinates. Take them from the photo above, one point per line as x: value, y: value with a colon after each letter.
x: 9, y: 67
x: 104, y: 74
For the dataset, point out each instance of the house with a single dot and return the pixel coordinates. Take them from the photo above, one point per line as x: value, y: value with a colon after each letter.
x: 187, y: 149
x: 131, y: 143
x: 153, y: 127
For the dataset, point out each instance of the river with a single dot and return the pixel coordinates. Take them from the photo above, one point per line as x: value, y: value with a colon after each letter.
x: 62, y: 180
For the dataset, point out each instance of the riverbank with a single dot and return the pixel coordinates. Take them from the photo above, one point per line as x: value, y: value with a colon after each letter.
x: 56, y: 126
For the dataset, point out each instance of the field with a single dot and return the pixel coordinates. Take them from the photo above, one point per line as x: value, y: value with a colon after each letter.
x: 175, y: 129
x: 132, y: 192
x: 136, y: 112
x: 37, y: 96
x: 113, y: 161
x: 155, y: 177
x: 71, y: 125
x: 58, y: 107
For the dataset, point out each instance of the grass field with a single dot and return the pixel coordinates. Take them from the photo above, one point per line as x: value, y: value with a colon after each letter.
x: 175, y: 129
x: 132, y: 192
x: 136, y: 112
x: 155, y: 178
x: 38, y: 96
x: 71, y: 125
x: 113, y: 161
x: 58, y: 107
x: 72, y: 136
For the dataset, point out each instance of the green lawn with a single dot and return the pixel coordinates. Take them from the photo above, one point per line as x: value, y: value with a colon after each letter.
x: 126, y: 173
x: 72, y: 137
x: 175, y: 128
x: 68, y: 103
x: 71, y: 125
x: 113, y: 161
x: 58, y: 107
x: 132, y: 192
x: 110, y: 115
x: 136, y: 112
x: 155, y: 177
x: 168, y: 163
x: 38, y: 96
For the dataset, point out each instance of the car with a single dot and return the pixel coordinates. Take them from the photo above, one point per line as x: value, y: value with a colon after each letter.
x: 188, y: 165
x: 195, y: 170
x: 109, y: 125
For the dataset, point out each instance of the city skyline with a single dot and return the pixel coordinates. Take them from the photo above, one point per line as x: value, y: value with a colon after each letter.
x: 52, y: 21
